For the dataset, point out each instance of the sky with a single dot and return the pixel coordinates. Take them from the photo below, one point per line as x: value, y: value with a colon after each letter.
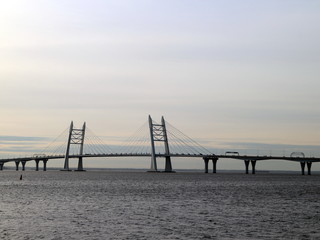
x: 230, y: 74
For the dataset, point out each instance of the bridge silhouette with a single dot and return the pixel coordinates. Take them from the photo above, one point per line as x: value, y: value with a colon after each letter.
x: 152, y: 140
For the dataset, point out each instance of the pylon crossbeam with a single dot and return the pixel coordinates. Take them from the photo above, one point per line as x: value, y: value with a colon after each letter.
x: 158, y: 130
x: 158, y: 138
x: 77, y: 136
x: 158, y: 135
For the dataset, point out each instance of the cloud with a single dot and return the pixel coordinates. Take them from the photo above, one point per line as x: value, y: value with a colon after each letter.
x: 6, y: 139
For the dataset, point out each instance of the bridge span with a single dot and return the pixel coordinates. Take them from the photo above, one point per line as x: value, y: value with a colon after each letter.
x: 158, y: 133
x: 214, y: 158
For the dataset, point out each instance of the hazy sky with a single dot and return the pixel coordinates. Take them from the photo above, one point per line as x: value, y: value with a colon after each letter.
x: 227, y: 73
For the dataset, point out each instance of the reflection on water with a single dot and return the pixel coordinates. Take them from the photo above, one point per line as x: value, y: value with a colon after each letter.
x: 139, y: 205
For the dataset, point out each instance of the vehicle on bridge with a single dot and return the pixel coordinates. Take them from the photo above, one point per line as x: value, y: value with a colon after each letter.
x: 229, y: 153
x: 297, y: 154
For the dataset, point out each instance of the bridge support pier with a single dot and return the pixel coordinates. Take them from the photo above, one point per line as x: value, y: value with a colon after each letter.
x: 309, y: 164
x: 17, y: 165
x: 80, y: 165
x: 214, y: 163
x: 37, y: 164
x: 206, y: 165
x: 302, y: 164
x: 23, y: 165
x: 1, y: 166
x: 253, y: 164
x: 45, y: 164
x: 246, y: 162
x: 168, y: 165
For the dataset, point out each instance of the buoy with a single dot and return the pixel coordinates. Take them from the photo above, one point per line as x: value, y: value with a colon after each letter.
x: 21, y: 177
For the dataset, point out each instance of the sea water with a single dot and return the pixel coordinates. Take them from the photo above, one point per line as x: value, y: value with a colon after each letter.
x: 141, y: 205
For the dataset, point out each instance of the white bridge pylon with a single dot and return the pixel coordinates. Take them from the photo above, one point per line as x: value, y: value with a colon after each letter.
x: 158, y: 132
x: 76, y: 136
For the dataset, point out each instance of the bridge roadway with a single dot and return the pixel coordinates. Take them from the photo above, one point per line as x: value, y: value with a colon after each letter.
x: 246, y: 158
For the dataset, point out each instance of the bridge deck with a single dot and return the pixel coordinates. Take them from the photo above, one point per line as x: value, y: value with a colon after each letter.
x: 240, y: 157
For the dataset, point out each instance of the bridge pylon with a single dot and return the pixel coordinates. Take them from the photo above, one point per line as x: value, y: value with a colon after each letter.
x: 158, y: 133
x: 76, y: 137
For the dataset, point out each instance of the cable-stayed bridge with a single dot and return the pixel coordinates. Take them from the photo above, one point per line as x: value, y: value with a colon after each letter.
x: 152, y: 139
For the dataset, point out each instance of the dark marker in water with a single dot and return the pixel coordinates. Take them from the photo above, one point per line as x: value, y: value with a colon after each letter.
x: 21, y: 177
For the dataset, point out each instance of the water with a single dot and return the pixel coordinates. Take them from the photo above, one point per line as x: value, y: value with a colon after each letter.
x: 140, y: 205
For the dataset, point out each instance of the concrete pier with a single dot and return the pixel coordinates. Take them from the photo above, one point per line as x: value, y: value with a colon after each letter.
x: 253, y: 164
x: 23, y: 165
x: 168, y: 165
x: 80, y: 165
x: 302, y: 164
x: 309, y: 164
x: 17, y: 165
x: 206, y: 165
x: 214, y: 162
x: 247, y: 162
x: 45, y: 164
x: 37, y: 164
